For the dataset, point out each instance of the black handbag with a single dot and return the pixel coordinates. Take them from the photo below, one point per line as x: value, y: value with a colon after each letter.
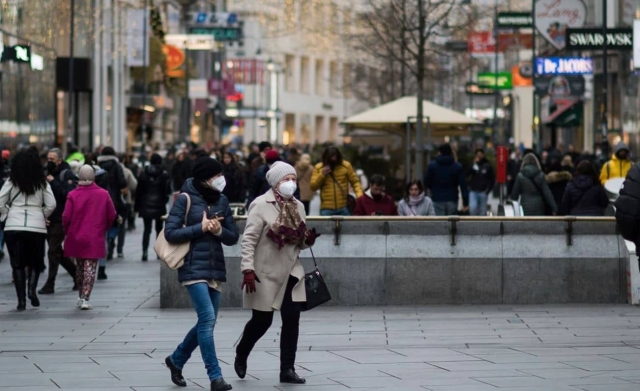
x: 316, y: 288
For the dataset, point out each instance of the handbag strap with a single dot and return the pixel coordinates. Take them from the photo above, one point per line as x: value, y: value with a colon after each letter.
x: 344, y: 192
x: 186, y: 213
x: 13, y: 199
x: 314, y: 258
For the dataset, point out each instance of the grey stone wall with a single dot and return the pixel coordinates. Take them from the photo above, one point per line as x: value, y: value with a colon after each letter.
x: 404, y: 262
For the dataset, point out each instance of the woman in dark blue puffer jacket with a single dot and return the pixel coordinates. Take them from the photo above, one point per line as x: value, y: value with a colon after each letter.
x: 209, y: 225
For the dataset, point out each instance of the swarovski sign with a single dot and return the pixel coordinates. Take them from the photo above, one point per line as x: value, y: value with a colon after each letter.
x: 593, y: 39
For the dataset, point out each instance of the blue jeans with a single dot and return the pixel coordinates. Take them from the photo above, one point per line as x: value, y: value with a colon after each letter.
x: 446, y: 208
x: 478, y: 203
x: 335, y: 212
x: 206, y: 302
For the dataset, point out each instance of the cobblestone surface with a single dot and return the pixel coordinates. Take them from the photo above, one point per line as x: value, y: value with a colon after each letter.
x: 122, y: 343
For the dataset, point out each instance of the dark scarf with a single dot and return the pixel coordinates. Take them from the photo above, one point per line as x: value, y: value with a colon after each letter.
x: 288, y: 227
x: 209, y: 194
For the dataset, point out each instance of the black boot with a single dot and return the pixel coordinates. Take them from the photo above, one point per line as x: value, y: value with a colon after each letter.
x: 48, y: 288
x: 112, y: 246
x: 20, y: 281
x: 290, y: 376
x: 220, y: 385
x: 33, y: 285
x: 176, y: 374
x: 101, y: 273
x: 240, y: 365
x: 144, y: 257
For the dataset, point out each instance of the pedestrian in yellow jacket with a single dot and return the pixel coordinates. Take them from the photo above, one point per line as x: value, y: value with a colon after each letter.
x: 333, y: 177
x: 618, y: 166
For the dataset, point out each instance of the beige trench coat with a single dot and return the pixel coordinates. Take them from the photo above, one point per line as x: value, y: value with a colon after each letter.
x: 271, y: 265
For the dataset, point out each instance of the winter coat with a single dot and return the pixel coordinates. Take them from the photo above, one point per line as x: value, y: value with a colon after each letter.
x: 272, y: 266
x: 425, y: 208
x: 481, y: 177
x: 304, y: 182
x: 558, y: 181
x: 205, y: 260
x: 615, y: 168
x: 531, y: 199
x: 234, y: 190
x: 132, y: 185
x: 87, y: 217
x: 443, y: 177
x: 583, y: 197
x: 331, y: 196
x: 366, y: 205
x: 58, y: 189
x: 258, y: 184
x: 153, y: 192
x: 180, y: 172
x: 116, y: 182
x: 26, y: 213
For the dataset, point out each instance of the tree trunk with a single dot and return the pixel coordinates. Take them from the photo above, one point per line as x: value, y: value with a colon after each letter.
x: 420, y: 95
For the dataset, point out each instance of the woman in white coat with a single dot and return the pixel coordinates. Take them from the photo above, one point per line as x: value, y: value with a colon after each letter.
x: 27, y: 201
x: 273, y: 275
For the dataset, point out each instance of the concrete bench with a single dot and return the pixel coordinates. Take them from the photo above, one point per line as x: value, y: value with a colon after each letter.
x: 412, y: 261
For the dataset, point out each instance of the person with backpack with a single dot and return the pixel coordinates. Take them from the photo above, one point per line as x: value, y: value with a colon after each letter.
x: 443, y: 178
x: 532, y: 189
x: 628, y: 207
x: 114, y: 182
x: 62, y: 181
x: 618, y: 166
x: 152, y: 196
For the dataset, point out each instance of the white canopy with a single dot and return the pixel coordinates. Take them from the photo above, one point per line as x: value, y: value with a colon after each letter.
x: 394, y: 116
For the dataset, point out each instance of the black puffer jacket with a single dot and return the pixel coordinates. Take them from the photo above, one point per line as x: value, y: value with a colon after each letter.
x: 234, y: 190
x: 59, y: 191
x: 205, y: 260
x: 558, y: 180
x: 153, y: 192
x: 584, y: 197
x: 115, y: 182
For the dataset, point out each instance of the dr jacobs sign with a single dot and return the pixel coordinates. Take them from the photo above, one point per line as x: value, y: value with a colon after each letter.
x: 563, y: 66
x: 593, y: 39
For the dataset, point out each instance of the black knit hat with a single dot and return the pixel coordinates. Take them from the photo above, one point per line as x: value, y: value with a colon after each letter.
x: 156, y: 159
x: 264, y: 145
x: 108, y: 151
x: 445, y: 149
x: 206, y: 168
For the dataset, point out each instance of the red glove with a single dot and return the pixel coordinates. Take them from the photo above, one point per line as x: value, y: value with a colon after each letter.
x: 311, y: 237
x: 249, y: 281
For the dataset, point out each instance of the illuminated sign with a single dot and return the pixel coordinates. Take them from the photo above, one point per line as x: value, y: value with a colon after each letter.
x: 17, y: 53
x: 488, y: 80
x: 564, y: 66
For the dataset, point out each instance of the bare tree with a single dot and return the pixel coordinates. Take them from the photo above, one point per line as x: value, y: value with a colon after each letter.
x: 406, y: 38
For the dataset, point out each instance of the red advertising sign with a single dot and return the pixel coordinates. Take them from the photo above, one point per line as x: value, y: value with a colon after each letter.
x: 245, y: 71
x: 484, y: 42
x: 502, y: 157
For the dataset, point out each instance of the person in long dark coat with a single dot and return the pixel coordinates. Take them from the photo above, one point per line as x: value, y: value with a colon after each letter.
x: 532, y: 189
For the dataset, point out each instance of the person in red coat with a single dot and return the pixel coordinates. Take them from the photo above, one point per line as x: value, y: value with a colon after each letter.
x: 375, y: 202
x: 88, y: 215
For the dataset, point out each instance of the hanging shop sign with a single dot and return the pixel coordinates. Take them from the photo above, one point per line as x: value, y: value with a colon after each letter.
x: 515, y: 20
x: 17, y: 53
x: 521, y: 75
x: 175, y: 61
x: 219, y: 34
x: 553, y: 17
x: 489, y: 80
x: 472, y: 88
x: 190, y: 41
x: 557, y: 87
x: 484, y: 42
x: 563, y: 66
x: 593, y: 39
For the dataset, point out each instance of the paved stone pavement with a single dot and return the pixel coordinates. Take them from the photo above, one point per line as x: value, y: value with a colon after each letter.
x: 121, y: 345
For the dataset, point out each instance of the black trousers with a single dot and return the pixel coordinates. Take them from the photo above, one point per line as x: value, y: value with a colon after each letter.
x: 55, y: 238
x: 123, y: 232
x: 146, y: 236
x: 26, y: 249
x: 261, y: 321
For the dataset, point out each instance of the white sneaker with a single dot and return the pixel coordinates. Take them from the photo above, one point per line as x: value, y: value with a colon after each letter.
x: 85, y: 305
x: 79, y: 302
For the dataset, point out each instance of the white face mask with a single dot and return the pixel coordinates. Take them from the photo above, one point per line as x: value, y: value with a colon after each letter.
x: 219, y: 183
x: 287, y: 189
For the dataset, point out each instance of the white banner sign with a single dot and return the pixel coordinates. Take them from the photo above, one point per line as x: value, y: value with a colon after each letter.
x: 554, y: 16
x: 190, y: 41
x: 636, y: 43
x: 136, y: 55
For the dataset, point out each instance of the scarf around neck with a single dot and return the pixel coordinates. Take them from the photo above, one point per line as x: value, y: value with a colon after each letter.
x: 288, y: 227
x: 413, y: 201
x: 211, y: 195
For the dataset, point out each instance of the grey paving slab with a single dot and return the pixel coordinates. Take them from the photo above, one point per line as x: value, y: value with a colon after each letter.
x: 122, y: 343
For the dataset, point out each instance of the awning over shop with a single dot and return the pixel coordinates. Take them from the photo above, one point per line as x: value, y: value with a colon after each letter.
x: 393, y: 116
x: 566, y: 114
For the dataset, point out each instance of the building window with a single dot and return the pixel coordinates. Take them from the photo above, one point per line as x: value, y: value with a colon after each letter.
x: 320, y: 136
x: 320, y: 78
x: 347, y: 79
x: 290, y: 75
x: 333, y: 129
x: 289, y: 135
x: 305, y: 75
x: 334, y: 79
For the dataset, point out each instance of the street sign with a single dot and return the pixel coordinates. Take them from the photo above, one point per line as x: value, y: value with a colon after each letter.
x: 214, y: 18
x: 515, y: 20
x: 592, y: 39
x: 219, y: 34
x: 563, y: 66
x: 190, y: 41
x: 488, y: 80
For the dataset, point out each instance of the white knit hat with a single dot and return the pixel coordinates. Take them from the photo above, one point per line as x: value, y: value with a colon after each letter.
x: 278, y: 171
